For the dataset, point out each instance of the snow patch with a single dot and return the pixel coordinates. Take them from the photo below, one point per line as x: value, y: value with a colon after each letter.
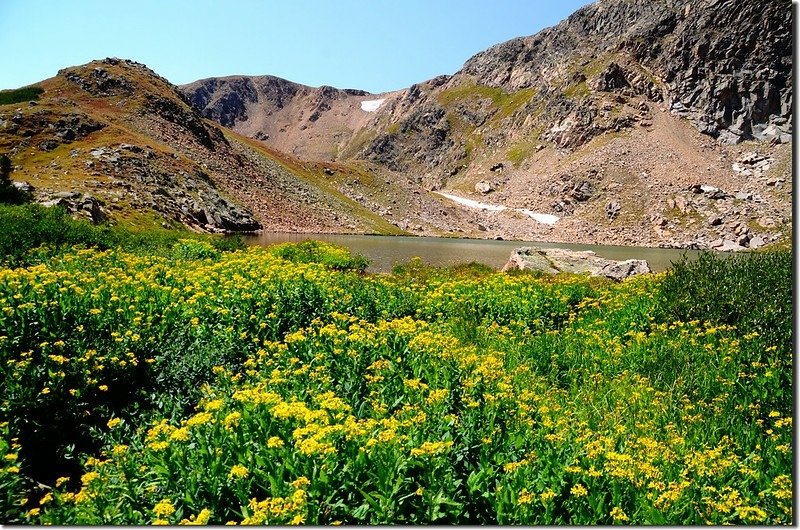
x: 544, y: 218
x: 371, y: 105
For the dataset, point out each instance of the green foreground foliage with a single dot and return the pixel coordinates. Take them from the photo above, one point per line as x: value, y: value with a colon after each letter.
x: 32, y: 233
x: 198, y: 384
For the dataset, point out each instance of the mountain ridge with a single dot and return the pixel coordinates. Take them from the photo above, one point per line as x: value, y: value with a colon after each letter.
x: 629, y: 122
x: 115, y: 134
x: 613, y: 71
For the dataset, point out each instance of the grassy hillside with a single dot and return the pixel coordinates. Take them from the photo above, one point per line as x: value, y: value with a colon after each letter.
x: 190, y: 384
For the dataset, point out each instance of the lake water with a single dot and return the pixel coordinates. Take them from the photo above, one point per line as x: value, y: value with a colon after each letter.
x: 386, y: 251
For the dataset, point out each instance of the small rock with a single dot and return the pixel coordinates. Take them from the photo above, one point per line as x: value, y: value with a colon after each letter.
x: 613, y: 208
x: 66, y: 195
x: 25, y: 187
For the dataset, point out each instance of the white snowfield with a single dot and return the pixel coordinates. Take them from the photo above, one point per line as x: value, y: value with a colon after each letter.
x: 544, y: 218
x: 372, y: 105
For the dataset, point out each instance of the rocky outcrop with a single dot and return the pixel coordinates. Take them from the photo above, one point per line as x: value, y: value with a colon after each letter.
x: 273, y: 109
x: 728, y: 68
x: 555, y: 260
x: 726, y: 65
x: 78, y: 205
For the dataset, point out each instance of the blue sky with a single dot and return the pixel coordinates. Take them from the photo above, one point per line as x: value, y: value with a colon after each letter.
x: 376, y: 46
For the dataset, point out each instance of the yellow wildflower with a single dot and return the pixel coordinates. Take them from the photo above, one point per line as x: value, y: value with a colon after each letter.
x: 232, y: 419
x: 525, y: 497
x: 180, y: 435
x: 164, y: 508
x: 301, y: 482
x: 89, y: 477
x: 215, y: 404
x: 275, y: 441
x: 618, y: 515
x: 199, y: 419
x: 579, y: 490
x: 201, y: 519
x: 238, y: 471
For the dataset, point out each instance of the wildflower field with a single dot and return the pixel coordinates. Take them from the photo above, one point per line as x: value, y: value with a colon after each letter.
x: 283, y: 385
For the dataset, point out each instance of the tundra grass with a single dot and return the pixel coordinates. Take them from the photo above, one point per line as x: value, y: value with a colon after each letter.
x: 283, y: 386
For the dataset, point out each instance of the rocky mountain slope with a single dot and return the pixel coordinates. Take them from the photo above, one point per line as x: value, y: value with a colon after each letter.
x: 649, y: 122
x: 114, y: 141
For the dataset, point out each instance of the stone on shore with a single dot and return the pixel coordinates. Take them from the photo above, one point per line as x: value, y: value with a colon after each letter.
x: 555, y: 260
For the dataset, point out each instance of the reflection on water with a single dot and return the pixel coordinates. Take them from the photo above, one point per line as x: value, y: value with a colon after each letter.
x: 386, y: 251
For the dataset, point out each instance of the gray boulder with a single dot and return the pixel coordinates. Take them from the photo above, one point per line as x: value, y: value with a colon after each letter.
x: 555, y: 260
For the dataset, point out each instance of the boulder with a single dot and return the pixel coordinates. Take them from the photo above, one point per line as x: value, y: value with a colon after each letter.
x: 484, y: 187
x: 582, y: 191
x: 555, y: 260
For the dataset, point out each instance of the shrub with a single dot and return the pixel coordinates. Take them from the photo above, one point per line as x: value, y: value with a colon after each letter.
x: 193, y: 249
x: 32, y: 233
x: 20, y: 95
x: 332, y: 256
x: 8, y: 192
x: 752, y: 292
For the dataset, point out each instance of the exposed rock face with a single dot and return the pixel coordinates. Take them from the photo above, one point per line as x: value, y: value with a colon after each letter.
x: 555, y: 260
x: 724, y: 64
x: 733, y: 84
x: 620, y: 125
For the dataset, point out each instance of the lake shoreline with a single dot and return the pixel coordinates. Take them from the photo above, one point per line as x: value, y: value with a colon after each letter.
x: 386, y: 251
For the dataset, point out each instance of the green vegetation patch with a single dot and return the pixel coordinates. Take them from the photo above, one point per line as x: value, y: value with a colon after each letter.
x: 505, y: 103
x: 20, y: 95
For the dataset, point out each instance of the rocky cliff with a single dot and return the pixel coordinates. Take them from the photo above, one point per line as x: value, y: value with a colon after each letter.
x: 610, y: 121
